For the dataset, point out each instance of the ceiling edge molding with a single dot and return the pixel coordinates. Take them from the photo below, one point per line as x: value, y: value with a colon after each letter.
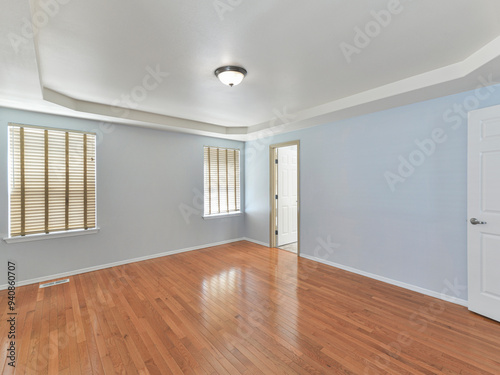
x: 129, y: 114
x: 435, y: 83
x: 407, y: 91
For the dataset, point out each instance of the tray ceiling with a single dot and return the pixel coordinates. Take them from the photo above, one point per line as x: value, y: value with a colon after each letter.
x: 151, y: 63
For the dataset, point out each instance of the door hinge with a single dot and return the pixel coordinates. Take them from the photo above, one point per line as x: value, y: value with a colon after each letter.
x: 276, y: 196
x: 275, y: 161
x: 276, y: 232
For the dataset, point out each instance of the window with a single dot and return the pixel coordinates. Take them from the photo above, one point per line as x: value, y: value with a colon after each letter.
x: 222, y: 181
x: 52, y: 179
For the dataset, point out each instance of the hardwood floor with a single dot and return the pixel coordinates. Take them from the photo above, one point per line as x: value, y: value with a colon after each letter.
x: 241, y: 308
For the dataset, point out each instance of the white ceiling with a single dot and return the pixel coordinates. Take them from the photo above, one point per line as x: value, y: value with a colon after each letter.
x: 88, y: 55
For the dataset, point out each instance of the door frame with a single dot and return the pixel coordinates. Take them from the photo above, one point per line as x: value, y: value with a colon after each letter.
x: 273, y: 175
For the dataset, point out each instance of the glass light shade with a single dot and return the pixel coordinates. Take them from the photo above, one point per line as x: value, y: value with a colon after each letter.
x: 230, y: 75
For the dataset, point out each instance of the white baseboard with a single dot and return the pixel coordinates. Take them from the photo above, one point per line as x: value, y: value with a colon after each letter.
x: 172, y: 252
x: 255, y: 241
x: 119, y: 263
x: 414, y: 288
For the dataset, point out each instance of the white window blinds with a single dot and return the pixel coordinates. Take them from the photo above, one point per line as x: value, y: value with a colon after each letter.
x: 52, y: 180
x: 222, y: 180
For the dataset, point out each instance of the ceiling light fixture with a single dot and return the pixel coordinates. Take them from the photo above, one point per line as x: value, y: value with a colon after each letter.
x: 230, y: 75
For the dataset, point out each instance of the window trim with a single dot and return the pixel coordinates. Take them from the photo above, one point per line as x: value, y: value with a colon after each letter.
x: 222, y: 216
x: 47, y: 236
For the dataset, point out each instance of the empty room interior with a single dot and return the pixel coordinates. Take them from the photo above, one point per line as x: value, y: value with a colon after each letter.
x: 250, y: 187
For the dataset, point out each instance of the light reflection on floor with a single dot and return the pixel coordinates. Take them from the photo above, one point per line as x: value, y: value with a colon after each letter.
x: 254, y: 300
x: 222, y: 284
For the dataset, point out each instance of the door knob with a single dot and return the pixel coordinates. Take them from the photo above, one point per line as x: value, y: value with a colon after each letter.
x: 475, y: 221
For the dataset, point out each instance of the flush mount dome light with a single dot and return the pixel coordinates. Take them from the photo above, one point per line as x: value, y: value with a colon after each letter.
x: 230, y: 75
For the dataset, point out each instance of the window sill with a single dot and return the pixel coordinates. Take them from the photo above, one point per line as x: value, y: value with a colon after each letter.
x: 222, y: 216
x: 45, y: 236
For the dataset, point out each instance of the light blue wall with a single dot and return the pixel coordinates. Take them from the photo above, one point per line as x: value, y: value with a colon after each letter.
x: 415, y: 234
x: 144, y: 179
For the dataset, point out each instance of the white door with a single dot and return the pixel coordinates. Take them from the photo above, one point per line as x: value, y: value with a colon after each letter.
x: 483, y: 202
x: 287, y: 195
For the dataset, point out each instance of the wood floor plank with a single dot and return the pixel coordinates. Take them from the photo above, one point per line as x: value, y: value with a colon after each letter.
x: 242, y: 308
